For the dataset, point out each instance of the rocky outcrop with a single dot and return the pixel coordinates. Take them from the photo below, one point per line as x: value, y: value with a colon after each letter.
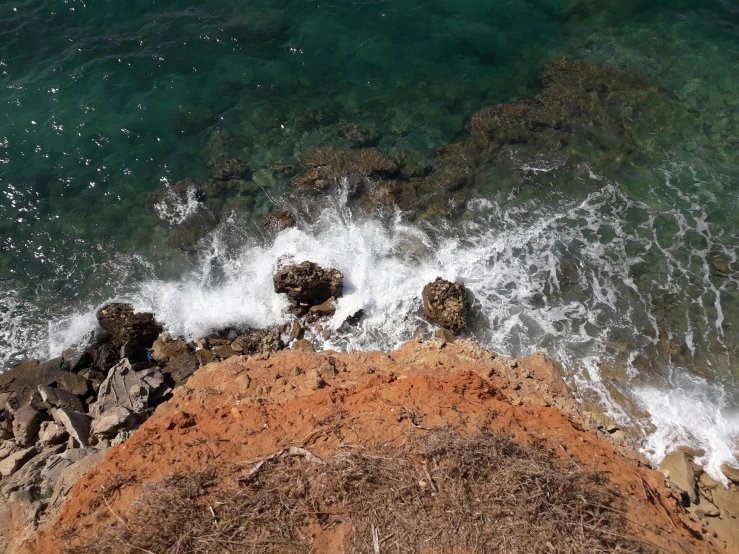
x: 258, y: 341
x: 130, y: 386
x: 327, y: 166
x: 446, y: 304
x: 123, y: 324
x: 226, y: 169
x: 306, y: 284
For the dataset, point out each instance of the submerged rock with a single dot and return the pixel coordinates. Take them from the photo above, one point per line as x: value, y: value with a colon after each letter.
x: 326, y: 166
x: 446, y: 303
x: 226, y: 169
x: 124, y: 325
x: 279, y: 221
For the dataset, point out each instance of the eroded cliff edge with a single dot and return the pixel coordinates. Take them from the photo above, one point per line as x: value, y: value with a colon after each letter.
x: 232, y: 415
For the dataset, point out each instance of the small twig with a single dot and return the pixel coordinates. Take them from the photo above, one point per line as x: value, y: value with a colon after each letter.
x: 375, y: 540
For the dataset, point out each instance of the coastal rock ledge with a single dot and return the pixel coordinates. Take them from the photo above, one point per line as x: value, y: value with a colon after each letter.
x: 343, y: 451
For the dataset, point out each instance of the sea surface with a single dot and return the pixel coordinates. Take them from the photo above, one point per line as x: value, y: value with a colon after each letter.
x: 618, y: 258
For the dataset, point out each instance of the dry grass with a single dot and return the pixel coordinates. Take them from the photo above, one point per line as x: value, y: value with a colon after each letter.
x: 439, y: 492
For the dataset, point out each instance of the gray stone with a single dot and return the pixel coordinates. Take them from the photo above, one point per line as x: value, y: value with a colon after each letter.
x: 30, y: 473
x: 26, y: 425
x: 111, y: 421
x: 181, y: 368
x: 14, y: 462
x: 7, y: 448
x: 70, y: 475
x: 77, y: 424
x: 127, y: 387
x: 59, y: 398
x: 57, y: 463
x: 52, y: 433
x: 676, y: 467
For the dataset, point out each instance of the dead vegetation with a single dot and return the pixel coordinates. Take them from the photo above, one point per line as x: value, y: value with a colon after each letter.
x: 438, y: 492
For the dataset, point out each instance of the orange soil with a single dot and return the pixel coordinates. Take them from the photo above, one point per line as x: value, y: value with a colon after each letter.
x: 236, y: 412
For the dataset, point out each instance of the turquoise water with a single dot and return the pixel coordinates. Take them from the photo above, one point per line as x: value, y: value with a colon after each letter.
x: 617, y: 253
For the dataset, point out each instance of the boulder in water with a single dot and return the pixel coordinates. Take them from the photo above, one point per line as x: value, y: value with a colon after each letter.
x: 309, y: 283
x: 124, y: 325
x: 224, y: 170
x: 446, y: 303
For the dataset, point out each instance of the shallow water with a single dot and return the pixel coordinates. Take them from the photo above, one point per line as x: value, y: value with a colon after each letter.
x: 622, y: 263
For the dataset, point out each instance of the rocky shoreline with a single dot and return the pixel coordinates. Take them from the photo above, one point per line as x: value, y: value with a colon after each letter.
x: 60, y: 418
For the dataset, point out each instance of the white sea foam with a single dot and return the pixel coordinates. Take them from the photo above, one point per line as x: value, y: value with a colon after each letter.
x: 558, y: 279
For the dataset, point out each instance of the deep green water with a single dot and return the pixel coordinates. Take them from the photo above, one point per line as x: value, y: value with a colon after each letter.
x: 103, y: 103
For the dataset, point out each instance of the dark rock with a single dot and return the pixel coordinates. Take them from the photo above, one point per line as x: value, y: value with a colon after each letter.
x: 104, y: 356
x: 387, y: 195
x: 134, y: 351
x: 223, y: 170
x: 59, y: 398
x: 186, y: 235
x: 446, y: 304
x: 258, y: 341
x: 222, y: 144
x: 355, y: 318
x: 191, y: 120
x: 307, y: 282
x: 77, y: 360
x: 279, y: 221
x: 124, y: 325
x: 26, y: 425
x: 181, y: 367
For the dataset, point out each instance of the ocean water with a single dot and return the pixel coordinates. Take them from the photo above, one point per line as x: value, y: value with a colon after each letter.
x: 617, y: 256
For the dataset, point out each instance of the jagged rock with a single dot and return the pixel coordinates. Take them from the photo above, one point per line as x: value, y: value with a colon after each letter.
x: 226, y: 169
x: 76, y: 424
x: 279, y: 221
x: 134, y: 351
x: 127, y: 387
x: 75, y: 359
x: 3, y: 400
x: 52, y: 433
x: 180, y: 368
x: 303, y: 345
x: 30, y: 473
x: 124, y: 325
x: 94, y: 378
x: 7, y: 447
x: 296, y: 331
x: 731, y: 473
x: 676, y: 467
x: 445, y: 335
x: 446, y: 303
x: 57, y: 463
x: 15, y: 461
x: 258, y: 341
x: 70, y: 475
x: 26, y: 425
x: 59, y: 398
x: 110, y: 422
x: 104, y: 356
x: 166, y: 348
x: 307, y: 282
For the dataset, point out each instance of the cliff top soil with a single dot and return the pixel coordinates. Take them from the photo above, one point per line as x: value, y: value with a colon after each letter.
x: 247, y: 426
